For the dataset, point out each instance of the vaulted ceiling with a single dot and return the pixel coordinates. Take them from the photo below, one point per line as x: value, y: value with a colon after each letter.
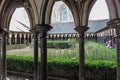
x: 39, y: 11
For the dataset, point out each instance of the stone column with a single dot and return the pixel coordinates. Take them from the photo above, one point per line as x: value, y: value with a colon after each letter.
x: 118, y: 52
x: 115, y: 23
x: 4, y: 66
x: 28, y: 35
x: 3, y: 34
x: 42, y: 29
x: 24, y: 38
x: 43, y: 40
x: 20, y: 37
x: 10, y: 36
x: 81, y: 30
x: 15, y: 38
x: 0, y: 59
x: 36, y: 63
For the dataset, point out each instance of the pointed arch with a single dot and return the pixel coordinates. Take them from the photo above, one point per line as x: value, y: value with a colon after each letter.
x: 10, y: 8
x: 112, y: 9
x: 117, y: 3
x: 70, y: 5
x: 49, y: 11
x: 73, y: 8
x: 43, y: 10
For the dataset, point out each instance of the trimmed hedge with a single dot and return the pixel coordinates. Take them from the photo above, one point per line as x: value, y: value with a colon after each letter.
x: 15, y: 46
x: 58, y: 44
x: 95, y: 70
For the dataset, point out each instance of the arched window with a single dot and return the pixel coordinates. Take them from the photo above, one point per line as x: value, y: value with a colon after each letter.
x: 64, y: 14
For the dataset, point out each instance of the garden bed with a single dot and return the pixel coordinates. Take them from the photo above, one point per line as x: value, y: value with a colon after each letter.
x: 95, y: 70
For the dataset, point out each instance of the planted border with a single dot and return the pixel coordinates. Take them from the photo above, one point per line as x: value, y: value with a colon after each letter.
x: 95, y: 70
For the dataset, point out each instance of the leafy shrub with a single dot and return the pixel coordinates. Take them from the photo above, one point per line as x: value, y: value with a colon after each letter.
x: 73, y: 43
x: 57, y: 44
x: 95, y: 70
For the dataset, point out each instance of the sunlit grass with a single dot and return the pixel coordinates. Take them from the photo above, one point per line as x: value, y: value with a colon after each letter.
x: 95, y: 51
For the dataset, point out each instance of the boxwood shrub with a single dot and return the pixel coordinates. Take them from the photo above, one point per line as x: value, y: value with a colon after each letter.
x: 58, y: 44
x: 95, y: 70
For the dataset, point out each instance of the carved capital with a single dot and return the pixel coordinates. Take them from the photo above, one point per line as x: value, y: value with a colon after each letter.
x: 81, y: 29
x: 3, y: 32
x: 41, y: 29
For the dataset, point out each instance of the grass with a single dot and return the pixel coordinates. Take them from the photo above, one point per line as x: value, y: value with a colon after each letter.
x: 93, y: 51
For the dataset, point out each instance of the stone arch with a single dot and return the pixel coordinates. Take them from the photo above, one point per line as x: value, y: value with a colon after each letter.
x: 88, y: 4
x: 72, y: 8
x: 113, y: 7
x: 57, y: 11
x: 10, y: 8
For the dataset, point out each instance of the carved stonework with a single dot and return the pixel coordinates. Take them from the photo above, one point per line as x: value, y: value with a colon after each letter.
x: 81, y: 29
x: 41, y: 28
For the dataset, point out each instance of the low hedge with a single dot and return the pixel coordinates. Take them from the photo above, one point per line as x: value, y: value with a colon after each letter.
x: 95, y: 70
x: 15, y: 46
x: 58, y: 44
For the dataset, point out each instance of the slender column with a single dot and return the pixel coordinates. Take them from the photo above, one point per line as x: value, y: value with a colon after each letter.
x: 43, y: 46
x: 0, y: 61
x: 81, y: 30
x: 42, y: 30
x: 15, y: 38
x: 28, y: 35
x: 118, y: 52
x: 115, y: 24
x: 4, y: 67
x: 3, y: 34
x: 24, y: 38
x: 36, y: 63
x: 20, y: 37
x: 43, y: 40
x: 10, y: 41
